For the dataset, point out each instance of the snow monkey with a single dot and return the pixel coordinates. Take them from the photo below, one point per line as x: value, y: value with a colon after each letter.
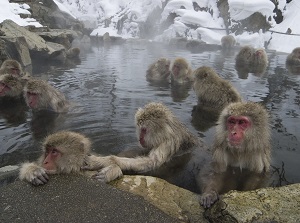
x: 12, y: 67
x: 63, y: 152
x: 241, y: 152
x: 159, y: 70
x: 162, y: 137
x: 294, y: 57
x: 245, y: 55
x: 227, y: 42
x: 212, y: 90
x: 181, y: 71
x: 39, y: 95
x: 10, y: 86
x: 73, y: 52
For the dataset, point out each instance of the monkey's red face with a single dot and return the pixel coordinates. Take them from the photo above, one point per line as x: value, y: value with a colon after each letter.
x: 236, y: 126
x: 142, y: 136
x: 52, y: 155
x: 32, y: 99
x: 176, y: 69
x: 15, y: 71
x: 4, y: 89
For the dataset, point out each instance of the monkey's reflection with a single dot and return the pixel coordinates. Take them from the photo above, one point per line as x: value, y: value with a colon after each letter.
x: 204, y: 117
x: 13, y: 110
x: 44, y: 123
x: 180, y: 92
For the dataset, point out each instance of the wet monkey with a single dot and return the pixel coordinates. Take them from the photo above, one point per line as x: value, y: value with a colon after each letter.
x: 212, y: 90
x: 12, y: 67
x: 10, y: 86
x: 241, y: 152
x: 63, y: 152
x: 181, y: 71
x: 39, y: 95
x: 294, y: 57
x: 227, y: 42
x: 161, y: 136
x: 244, y: 56
x: 159, y: 70
x: 73, y: 52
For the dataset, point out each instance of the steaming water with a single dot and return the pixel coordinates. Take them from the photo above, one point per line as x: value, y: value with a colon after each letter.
x: 109, y: 84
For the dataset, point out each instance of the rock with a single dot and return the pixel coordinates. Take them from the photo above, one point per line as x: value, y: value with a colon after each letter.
x: 62, y: 36
x: 17, y: 49
x: 38, y: 47
x: 279, y: 204
x: 175, y: 201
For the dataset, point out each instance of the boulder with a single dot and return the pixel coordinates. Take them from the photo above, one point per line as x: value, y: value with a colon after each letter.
x: 279, y: 204
x: 37, y: 46
x: 175, y: 201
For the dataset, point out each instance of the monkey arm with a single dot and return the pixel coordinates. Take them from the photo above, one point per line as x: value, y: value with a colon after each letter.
x: 141, y: 164
x: 33, y: 173
x: 93, y: 162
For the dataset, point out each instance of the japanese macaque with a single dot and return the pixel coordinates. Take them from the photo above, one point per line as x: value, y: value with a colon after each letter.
x: 39, y: 95
x: 159, y: 70
x: 245, y: 55
x: 181, y: 71
x: 259, y: 62
x: 106, y: 37
x: 212, y: 90
x: 241, y: 152
x: 162, y: 137
x: 10, y: 86
x: 63, y: 152
x: 12, y: 67
x: 73, y: 52
x: 227, y: 42
x: 294, y: 57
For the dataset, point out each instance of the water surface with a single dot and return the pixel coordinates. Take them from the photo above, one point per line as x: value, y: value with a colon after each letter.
x: 109, y: 84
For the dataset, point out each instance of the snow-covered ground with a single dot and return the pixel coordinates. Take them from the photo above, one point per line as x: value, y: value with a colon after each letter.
x: 210, y: 25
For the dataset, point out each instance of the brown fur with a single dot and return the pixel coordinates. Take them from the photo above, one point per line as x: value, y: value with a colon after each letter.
x: 159, y: 70
x: 8, y: 65
x: 212, y: 90
x: 74, y: 147
x: 166, y: 137
x: 244, y: 167
x: 49, y: 97
x: 294, y: 57
x: 15, y: 84
x: 245, y: 55
x: 185, y: 73
x: 73, y: 52
x: 227, y: 42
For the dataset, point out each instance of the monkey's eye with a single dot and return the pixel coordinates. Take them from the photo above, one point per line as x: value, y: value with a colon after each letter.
x: 31, y: 93
x: 231, y: 121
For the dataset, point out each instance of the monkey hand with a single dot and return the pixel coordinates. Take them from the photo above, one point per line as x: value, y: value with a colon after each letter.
x: 109, y: 173
x: 93, y: 162
x: 34, y: 174
x: 208, y: 198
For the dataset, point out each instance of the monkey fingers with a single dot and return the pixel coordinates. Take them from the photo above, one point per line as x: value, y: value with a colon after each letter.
x: 209, y: 198
x: 40, y: 180
x: 108, y: 173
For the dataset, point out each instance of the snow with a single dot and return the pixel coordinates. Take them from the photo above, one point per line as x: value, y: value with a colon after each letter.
x: 189, y: 22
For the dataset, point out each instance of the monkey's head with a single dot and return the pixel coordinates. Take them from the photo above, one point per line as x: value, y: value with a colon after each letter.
x: 163, y: 65
x: 296, y: 52
x: 152, y: 123
x: 245, y: 53
x: 204, y: 75
x: 34, y: 93
x: 179, y: 67
x: 64, y: 152
x: 10, y: 86
x: 243, y: 126
x: 12, y: 67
